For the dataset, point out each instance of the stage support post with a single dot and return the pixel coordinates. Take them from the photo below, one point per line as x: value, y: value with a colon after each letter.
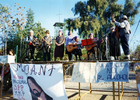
x: 113, y: 83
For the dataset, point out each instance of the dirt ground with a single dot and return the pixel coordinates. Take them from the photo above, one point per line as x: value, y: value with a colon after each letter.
x: 73, y: 94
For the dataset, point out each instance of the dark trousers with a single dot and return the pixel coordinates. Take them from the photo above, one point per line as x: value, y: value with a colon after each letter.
x: 30, y: 48
x: 70, y: 55
x: 93, y: 50
x: 46, y: 51
x: 125, y: 45
x: 77, y: 52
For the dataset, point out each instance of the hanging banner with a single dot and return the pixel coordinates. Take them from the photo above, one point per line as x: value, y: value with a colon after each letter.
x: 84, y: 72
x: 38, y: 82
x: 100, y: 72
x: 112, y: 72
x: 7, y: 59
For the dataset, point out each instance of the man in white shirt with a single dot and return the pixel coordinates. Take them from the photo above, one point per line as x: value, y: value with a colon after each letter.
x: 124, y: 32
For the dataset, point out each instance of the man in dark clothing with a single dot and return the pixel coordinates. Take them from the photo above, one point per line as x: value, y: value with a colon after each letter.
x: 114, y: 44
x: 47, y: 41
x: 30, y: 46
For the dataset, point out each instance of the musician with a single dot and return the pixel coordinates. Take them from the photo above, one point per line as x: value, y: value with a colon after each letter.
x: 77, y: 52
x: 30, y: 47
x: 69, y: 38
x: 114, y: 44
x: 59, y: 49
x: 47, y: 41
x: 94, y: 49
x: 124, y: 33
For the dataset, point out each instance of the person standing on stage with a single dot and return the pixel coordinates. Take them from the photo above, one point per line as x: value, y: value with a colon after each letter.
x: 124, y: 33
x: 94, y: 49
x: 69, y: 38
x: 59, y: 49
x: 47, y: 41
x: 114, y: 44
x: 30, y: 47
x: 77, y: 51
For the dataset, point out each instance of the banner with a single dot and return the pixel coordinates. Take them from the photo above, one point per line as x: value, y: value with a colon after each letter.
x: 112, y: 72
x: 100, y: 72
x: 38, y: 82
x: 7, y: 59
x: 84, y: 72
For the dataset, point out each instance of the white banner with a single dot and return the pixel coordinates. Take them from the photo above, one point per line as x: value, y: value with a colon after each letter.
x: 100, y: 72
x: 38, y: 82
x: 84, y: 72
x: 7, y: 59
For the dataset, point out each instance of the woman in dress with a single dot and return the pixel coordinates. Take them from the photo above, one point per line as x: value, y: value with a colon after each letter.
x: 59, y: 49
x: 69, y: 38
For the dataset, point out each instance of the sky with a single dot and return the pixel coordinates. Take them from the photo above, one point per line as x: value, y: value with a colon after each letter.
x: 48, y: 12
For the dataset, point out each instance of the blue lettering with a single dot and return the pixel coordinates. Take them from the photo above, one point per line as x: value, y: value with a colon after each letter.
x: 109, y: 70
x: 33, y: 70
x: 43, y: 70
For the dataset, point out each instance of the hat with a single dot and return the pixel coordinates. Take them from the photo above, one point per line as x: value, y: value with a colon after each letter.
x: 90, y: 34
x: 47, y: 31
x: 75, y: 37
x: 31, y: 31
x: 124, y: 16
x: 61, y: 31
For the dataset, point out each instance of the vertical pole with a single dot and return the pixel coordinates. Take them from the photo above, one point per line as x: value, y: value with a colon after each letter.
x: 16, y: 52
x: 79, y: 91
x: 90, y: 88
x: 122, y: 87
x: 118, y: 90
x: 63, y: 72
x: 106, y: 48
x: 113, y: 83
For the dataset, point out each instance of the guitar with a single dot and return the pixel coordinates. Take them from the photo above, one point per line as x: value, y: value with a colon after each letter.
x: 33, y: 42
x: 88, y: 47
x: 43, y: 39
x: 71, y: 47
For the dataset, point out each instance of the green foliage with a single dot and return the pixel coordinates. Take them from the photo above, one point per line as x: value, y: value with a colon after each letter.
x: 94, y: 16
x: 136, y: 53
x: 30, y: 20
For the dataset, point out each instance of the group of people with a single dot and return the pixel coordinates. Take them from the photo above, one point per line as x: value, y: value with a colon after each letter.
x: 114, y: 43
x: 118, y: 35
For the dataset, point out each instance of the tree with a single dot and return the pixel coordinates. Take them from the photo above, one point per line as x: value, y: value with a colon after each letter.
x: 30, y: 21
x: 136, y: 53
x: 4, y: 25
x: 94, y: 16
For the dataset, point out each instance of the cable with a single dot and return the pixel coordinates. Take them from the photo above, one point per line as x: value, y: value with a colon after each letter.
x: 135, y: 31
